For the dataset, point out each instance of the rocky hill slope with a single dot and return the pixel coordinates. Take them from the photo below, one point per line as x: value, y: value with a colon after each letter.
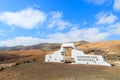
x: 113, y: 45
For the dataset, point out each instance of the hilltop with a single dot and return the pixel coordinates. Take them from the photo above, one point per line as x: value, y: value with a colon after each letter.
x: 43, y: 46
x: 113, y: 45
x: 36, y: 46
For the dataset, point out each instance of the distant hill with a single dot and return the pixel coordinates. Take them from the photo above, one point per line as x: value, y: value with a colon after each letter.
x: 38, y: 51
x: 111, y: 49
x: 79, y: 43
x: 37, y: 46
x: 113, y: 45
x: 11, y: 48
x: 43, y: 46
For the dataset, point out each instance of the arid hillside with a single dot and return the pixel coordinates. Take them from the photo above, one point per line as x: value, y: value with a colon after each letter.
x: 110, y: 50
x: 38, y: 51
x: 27, y: 63
x: 105, y: 45
x: 20, y: 55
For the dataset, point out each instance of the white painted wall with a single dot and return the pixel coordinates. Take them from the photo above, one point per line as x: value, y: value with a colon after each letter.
x: 55, y: 57
x: 78, y: 57
x: 89, y: 59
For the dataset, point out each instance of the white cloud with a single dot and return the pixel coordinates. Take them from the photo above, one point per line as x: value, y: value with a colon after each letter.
x: 90, y: 34
x: 94, y: 34
x: 59, y: 37
x: 27, y: 18
x: 105, y: 18
x: 116, y: 5
x: 56, y: 15
x: 19, y: 41
x: 114, y: 29
x: 54, y: 18
x: 63, y: 24
x: 57, y: 22
x: 24, y: 41
x: 97, y: 2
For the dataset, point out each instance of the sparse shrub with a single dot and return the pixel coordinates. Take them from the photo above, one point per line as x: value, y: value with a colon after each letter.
x: 17, y: 63
x: 113, y: 65
x: 1, y: 68
x: 33, y: 59
x: 27, y: 61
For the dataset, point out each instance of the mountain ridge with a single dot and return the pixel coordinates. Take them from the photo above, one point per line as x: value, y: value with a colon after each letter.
x: 41, y: 46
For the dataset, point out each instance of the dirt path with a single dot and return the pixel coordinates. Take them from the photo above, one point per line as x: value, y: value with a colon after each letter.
x: 56, y: 71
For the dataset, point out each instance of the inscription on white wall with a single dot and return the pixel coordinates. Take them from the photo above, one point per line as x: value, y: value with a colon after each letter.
x: 87, y: 58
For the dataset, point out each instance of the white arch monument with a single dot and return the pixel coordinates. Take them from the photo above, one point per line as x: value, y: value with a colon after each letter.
x: 69, y: 53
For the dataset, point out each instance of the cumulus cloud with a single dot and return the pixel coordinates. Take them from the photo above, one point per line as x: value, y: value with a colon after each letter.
x: 27, y: 18
x: 97, y: 2
x: 116, y: 5
x: 56, y: 21
x: 93, y: 34
x: 90, y: 34
x: 105, y: 18
x: 54, y: 18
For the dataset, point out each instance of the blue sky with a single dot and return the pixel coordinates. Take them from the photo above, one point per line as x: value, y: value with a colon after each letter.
x: 27, y: 22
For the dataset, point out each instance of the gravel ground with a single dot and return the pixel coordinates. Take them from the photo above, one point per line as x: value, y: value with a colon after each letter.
x: 55, y: 71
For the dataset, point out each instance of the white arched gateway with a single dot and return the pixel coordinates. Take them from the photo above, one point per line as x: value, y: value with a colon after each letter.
x: 69, y: 53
